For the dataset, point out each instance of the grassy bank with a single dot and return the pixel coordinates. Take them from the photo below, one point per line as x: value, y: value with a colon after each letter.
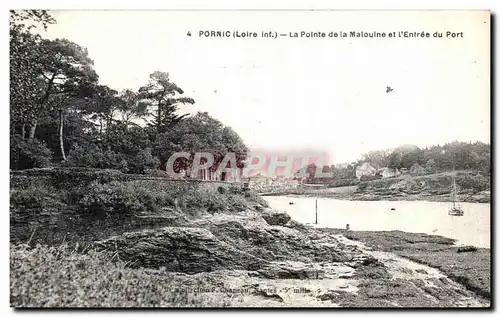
x: 61, y: 277
x: 55, y: 206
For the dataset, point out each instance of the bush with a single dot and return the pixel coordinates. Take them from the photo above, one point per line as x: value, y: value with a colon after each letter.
x: 143, y: 161
x: 112, y: 192
x: 467, y: 248
x: 416, y: 169
x: 221, y: 190
x: 156, y: 173
x: 340, y: 182
x: 118, y: 197
x: 362, y: 186
x: 31, y: 196
x: 475, y: 182
x: 93, y: 156
x: 24, y: 154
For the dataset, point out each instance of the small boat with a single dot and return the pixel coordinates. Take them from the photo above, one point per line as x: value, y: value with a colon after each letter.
x: 455, y: 209
x: 291, y: 203
x: 393, y: 208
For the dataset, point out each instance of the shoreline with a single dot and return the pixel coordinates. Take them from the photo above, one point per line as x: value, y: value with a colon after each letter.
x: 371, y: 197
x: 468, y: 266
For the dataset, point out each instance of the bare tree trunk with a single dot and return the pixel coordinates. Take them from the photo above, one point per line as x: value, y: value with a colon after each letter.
x: 23, y: 131
x: 100, y: 127
x: 61, y: 140
x: 32, y: 130
x: 109, y: 122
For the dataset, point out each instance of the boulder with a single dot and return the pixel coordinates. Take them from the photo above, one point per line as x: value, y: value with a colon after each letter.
x: 295, y: 225
x: 276, y: 218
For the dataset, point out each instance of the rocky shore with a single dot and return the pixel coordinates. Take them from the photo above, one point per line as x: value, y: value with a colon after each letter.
x: 251, y: 258
x: 248, y: 255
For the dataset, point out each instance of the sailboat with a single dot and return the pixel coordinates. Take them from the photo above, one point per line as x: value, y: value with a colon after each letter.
x: 455, y: 209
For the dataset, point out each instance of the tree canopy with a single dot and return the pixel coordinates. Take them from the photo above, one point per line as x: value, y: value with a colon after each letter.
x: 61, y: 114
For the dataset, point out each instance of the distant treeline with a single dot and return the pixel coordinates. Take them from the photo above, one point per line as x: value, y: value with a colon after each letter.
x: 438, y: 158
x: 61, y: 115
x: 461, y: 155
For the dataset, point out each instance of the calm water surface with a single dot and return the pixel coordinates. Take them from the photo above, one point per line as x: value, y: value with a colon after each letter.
x: 411, y: 216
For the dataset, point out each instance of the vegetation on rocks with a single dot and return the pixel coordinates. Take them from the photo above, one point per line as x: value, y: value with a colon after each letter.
x: 45, y: 206
x: 62, y: 277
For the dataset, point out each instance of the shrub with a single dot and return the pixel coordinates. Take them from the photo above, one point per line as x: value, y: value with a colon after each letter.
x: 30, y: 196
x: 416, y: 169
x: 362, y: 186
x: 475, y: 182
x: 142, y: 161
x: 221, y: 190
x: 24, y: 154
x: 156, y: 173
x: 467, y: 248
x: 93, y: 156
x: 121, y: 197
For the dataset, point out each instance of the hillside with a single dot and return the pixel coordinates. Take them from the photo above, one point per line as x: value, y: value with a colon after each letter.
x: 471, y: 187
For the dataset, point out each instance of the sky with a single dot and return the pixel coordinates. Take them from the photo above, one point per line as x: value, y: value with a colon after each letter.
x: 305, y: 94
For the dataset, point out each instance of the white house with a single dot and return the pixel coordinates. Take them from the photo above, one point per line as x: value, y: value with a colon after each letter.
x: 390, y: 172
x: 365, y: 169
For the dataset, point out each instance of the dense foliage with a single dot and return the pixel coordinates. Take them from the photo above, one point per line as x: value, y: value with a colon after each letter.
x: 458, y: 155
x: 62, y: 115
x: 464, y: 156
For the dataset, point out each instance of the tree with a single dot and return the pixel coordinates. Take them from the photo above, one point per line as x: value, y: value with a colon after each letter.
x: 68, y: 76
x: 131, y: 108
x: 233, y: 143
x: 405, y: 156
x: 377, y: 158
x: 25, y: 66
x: 103, y: 104
x: 161, y: 95
x: 417, y: 169
x: 395, y: 159
x: 199, y: 133
x: 430, y: 166
x: 62, y: 71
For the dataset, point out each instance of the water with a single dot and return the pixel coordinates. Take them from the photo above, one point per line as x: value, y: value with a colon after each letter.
x: 411, y: 216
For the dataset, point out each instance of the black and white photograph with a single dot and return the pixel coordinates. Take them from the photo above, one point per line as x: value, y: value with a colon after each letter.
x: 250, y: 159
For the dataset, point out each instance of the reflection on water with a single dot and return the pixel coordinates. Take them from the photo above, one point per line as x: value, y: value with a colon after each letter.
x: 411, y: 216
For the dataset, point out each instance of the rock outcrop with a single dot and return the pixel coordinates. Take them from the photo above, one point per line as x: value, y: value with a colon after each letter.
x: 179, y: 249
x: 275, y: 218
x: 232, y: 242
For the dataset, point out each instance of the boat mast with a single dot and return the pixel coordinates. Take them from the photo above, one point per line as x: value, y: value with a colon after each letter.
x: 454, y: 183
x: 316, y: 222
